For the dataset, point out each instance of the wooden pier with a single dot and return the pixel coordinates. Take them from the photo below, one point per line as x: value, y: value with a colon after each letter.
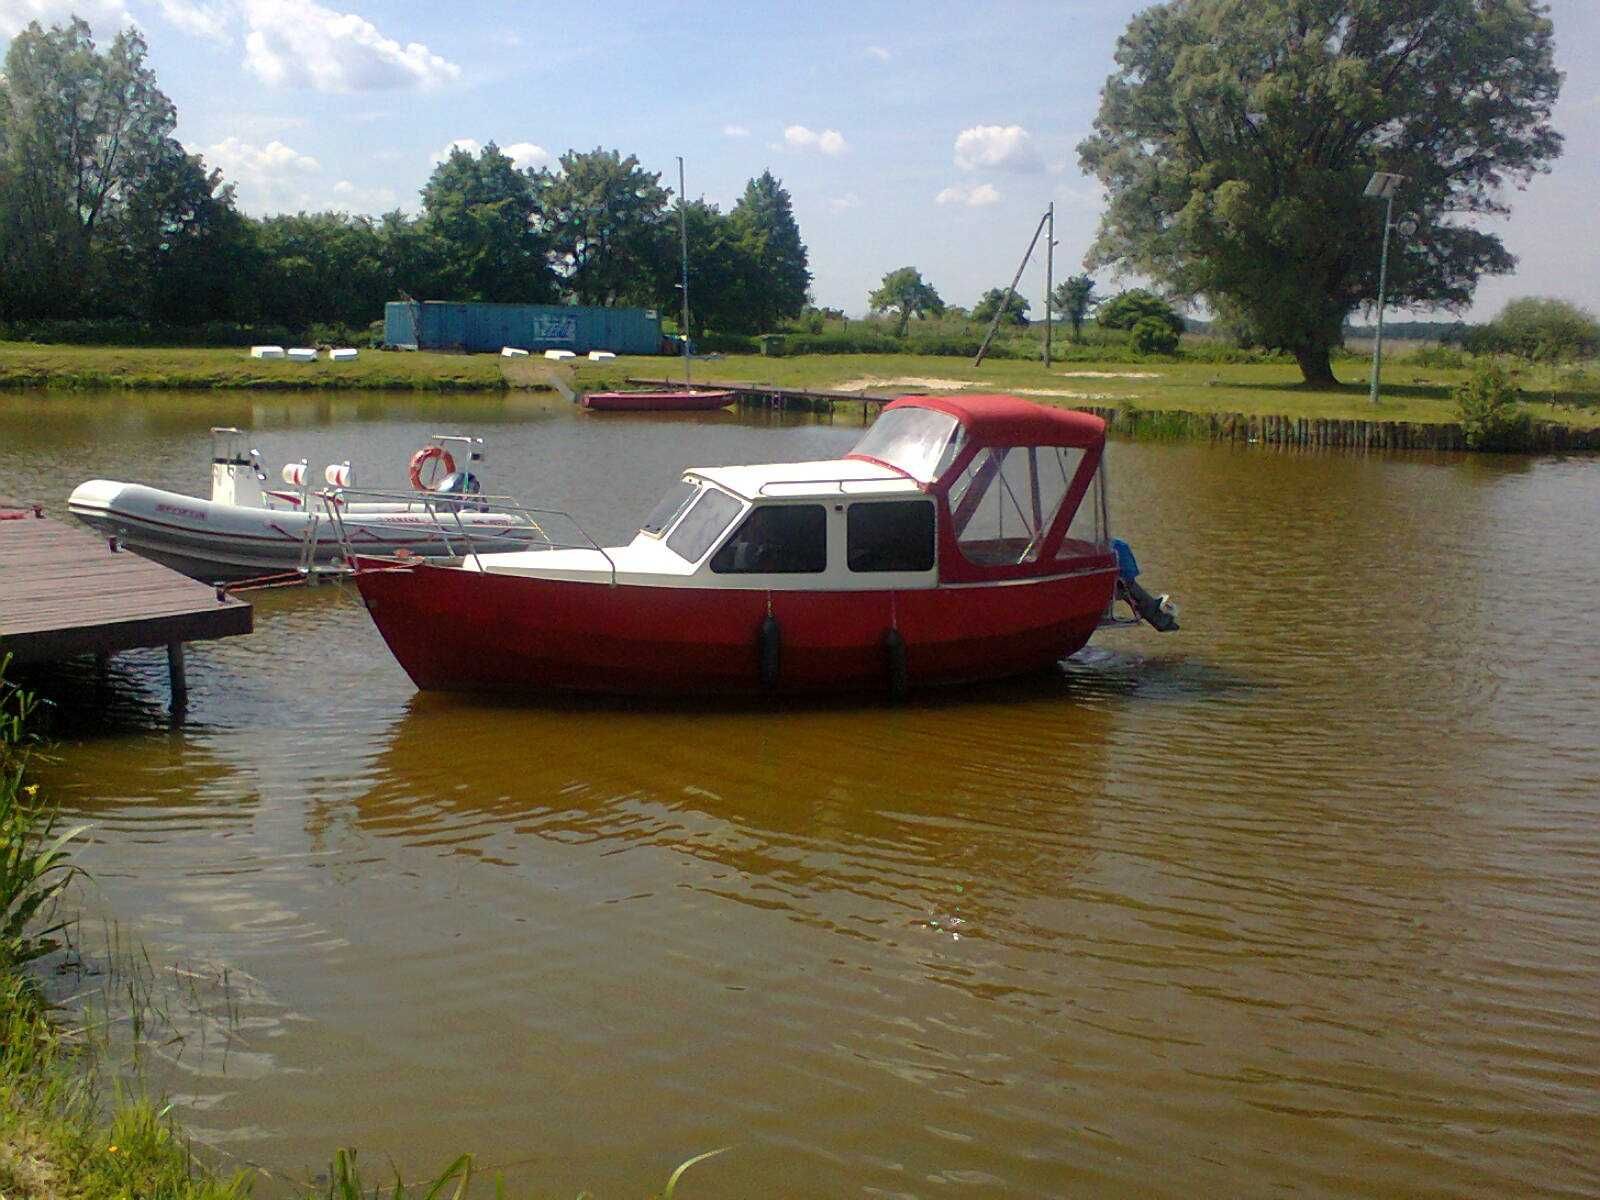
x: 765, y: 395
x: 66, y: 591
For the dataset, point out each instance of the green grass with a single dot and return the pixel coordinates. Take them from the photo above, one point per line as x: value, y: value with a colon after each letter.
x: 1411, y: 391
x: 26, y: 365
x: 59, y: 1140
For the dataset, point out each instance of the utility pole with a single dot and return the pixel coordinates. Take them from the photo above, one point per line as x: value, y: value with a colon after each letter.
x: 1382, y: 186
x: 683, y: 229
x: 1010, y: 292
x: 1049, y: 278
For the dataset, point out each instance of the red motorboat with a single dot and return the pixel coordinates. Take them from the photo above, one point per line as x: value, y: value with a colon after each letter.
x: 686, y: 400
x: 964, y: 538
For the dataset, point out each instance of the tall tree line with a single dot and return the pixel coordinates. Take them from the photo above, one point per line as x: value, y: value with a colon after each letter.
x: 104, y: 215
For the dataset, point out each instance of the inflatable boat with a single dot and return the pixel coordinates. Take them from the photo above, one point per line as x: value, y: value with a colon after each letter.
x: 251, y: 527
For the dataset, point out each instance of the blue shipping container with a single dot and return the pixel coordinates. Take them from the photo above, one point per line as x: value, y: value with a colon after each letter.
x: 476, y: 328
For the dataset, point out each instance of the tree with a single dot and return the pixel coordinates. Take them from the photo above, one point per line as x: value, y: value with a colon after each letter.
x: 87, y: 144
x: 482, y: 208
x: 1016, y: 311
x: 606, y: 221
x: 1235, y: 141
x: 1541, y: 328
x: 725, y: 277
x: 1127, y: 309
x: 1073, y: 299
x: 1152, y: 335
x: 764, y: 220
x: 904, y: 291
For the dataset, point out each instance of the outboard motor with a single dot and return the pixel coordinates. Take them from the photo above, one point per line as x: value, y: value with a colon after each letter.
x: 1159, y: 612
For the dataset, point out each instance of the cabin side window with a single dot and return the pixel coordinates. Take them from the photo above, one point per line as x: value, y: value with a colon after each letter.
x: 777, y: 539
x: 1087, y: 533
x: 702, y: 525
x: 1004, y: 502
x: 667, y: 509
x: 890, y: 535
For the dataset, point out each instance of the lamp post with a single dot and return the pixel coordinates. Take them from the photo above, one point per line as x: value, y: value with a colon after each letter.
x: 1382, y: 186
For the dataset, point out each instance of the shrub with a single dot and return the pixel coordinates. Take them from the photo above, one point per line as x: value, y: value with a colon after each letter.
x: 1127, y: 309
x: 1438, y: 356
x: 1152, y: 335
x: 1491, y: 417
x: 126, y: 332
x: 1540, y: 329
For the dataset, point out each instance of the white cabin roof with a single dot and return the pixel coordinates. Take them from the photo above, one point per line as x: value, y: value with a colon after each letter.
x: 827, y: 477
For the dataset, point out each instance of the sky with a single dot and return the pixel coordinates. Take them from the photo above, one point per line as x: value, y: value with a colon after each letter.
x: 931, y: 134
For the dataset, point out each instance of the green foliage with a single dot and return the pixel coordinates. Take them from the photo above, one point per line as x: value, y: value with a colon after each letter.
x: 1127, y: 309
x: 1073, y: 299
x: 1152, y: 335
x: 903, y: 291
x: 35, y: 863
x: 1491, y: 416
x: 1236, y: 139
x: 769, y: 235
x: 606, y: 221
x: 1539, y: 329
x: 1016, y: 311
x: 128, y: 331
x: 1438, y: 356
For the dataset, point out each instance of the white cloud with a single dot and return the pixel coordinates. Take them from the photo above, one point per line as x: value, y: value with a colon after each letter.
x: 848, y: 200
x: 197, y: 19
x: 735, y: 131
x: 523, y: 155
x: 105, y: 16
x: 274, y: 176
x: 879, y: 53
x: 978, y: 196
x: 1008, y: 147
x: 829, y: 141
x: 368, y: 200
x: 299, y: 43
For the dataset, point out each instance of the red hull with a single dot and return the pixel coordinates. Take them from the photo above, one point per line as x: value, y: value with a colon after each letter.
x: 456, y: 630
x: 686, y: 401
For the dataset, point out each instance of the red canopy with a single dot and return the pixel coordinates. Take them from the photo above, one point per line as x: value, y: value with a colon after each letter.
x: 1012, y: 421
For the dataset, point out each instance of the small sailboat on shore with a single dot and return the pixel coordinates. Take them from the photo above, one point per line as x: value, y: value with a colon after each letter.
x: 685, y: 399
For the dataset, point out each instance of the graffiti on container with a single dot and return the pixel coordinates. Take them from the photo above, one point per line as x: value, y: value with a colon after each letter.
x: 555, y: 329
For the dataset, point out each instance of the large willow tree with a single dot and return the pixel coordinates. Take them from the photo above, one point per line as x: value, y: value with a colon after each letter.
x: 1236, y: 136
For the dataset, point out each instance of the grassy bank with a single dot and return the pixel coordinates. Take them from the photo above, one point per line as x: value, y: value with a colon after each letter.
x: 25, y: 365
x: 1412, y: 390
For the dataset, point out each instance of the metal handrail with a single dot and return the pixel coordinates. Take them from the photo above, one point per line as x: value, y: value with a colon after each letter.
x: 839, y: 482
x: 441, y: 506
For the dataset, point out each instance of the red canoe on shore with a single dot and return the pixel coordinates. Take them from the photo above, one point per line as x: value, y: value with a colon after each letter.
x: 681, y: 401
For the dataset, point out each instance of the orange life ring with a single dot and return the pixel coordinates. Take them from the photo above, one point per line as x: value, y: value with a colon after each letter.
x: 428, y: 454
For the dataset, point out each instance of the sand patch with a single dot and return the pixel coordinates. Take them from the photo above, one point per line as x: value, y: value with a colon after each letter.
x: 868, y: 382
x: 1062, y: 395
x: 1109, y: 374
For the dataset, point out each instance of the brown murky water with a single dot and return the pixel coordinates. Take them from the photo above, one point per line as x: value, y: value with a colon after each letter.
x: 1303, y: 899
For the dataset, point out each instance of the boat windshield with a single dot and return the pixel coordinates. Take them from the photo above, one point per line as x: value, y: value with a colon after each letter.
x: 667, y: 509
x: 703, y: 524
x: 919, y: 441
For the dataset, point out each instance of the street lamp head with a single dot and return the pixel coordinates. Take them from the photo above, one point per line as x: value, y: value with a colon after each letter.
x: 1383, y: 185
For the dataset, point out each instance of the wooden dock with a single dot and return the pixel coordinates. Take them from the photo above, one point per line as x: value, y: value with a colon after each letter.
x: 66, y: 591
x: 767, y: 395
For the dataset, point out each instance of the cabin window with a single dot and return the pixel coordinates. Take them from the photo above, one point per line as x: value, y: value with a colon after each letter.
x: 894, y: 535
x: 919, y: 441
x: 1005, y: 501
x: 702, y: 525
x: 777, y: 539
x: 667, y: 509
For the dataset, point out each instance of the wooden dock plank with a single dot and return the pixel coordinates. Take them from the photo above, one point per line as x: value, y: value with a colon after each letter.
x: 63, y: 591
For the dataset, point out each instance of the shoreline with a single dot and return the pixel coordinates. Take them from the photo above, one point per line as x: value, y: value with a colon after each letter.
x: 1254, y: 403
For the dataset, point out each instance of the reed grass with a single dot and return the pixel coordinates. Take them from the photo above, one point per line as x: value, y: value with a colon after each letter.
x: 60, y: 1138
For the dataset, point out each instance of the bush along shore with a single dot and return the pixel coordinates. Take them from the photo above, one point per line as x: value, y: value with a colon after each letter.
x: 61, y: 1137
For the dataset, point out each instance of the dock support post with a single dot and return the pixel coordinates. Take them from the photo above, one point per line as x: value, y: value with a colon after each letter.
x: 175, y: 673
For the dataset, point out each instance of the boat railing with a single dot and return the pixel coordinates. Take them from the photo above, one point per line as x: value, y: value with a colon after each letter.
x: 820, y: 484
x: 530, y: 528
